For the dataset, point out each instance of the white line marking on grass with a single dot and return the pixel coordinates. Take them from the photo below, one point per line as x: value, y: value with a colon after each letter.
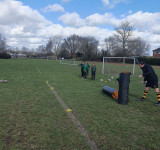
x: 90, y: 142
x: 39, y: 70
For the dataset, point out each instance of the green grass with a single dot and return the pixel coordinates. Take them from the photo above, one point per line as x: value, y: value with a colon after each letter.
x: 32, y: 118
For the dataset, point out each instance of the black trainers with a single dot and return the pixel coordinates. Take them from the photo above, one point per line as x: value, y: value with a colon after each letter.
x: 141, y: 99
x: 157, y: 104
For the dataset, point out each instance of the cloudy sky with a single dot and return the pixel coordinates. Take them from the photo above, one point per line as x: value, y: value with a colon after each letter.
x: 30, y: 23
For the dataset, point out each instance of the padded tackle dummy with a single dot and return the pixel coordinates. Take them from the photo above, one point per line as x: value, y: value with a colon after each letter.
x: 124, y: 80
x: 110, y: 91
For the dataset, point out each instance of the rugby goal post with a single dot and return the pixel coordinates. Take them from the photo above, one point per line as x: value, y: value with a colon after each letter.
x: 52, y: 57
x: 112, y: 66
x: 68, y: 61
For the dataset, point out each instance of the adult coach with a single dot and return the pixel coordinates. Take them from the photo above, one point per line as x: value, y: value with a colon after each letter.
x: 151, y: 80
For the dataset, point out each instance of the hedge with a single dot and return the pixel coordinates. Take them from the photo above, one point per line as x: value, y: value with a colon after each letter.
x: 4, y: 55
x: 150, y: 60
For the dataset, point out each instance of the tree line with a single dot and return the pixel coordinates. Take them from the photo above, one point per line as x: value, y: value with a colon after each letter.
x: 121, y: 43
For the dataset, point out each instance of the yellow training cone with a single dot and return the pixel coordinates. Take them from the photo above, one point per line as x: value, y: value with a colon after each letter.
x: 68, y: 110
x: 52, y: 88
x: 47, y: 82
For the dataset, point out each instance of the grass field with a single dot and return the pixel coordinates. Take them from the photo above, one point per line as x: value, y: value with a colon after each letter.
x: 31, y: 118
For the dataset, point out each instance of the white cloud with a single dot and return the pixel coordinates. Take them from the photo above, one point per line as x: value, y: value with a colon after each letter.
x: 147, y: 25
x: 105, y: 2
x: 145, y: 21
x: 155, y: 40
x: 113, y: 3
x: 97, y: 19
x: 72, y: 19
x: 20, y: 22
x: 14, y: 12
x: 17, y: 30
x: 156, y: 29
x: 96, y: 32
x: 23, y: 26
x: 130, y: 11
x: 54, y: 8
x: 34, y: 40
x: 65, y: 1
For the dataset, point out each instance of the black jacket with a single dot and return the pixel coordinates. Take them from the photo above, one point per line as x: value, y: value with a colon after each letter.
x: 148, y: 73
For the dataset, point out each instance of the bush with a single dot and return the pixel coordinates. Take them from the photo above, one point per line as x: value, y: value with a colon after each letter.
x: 150, y: 60
x: 4, y: 55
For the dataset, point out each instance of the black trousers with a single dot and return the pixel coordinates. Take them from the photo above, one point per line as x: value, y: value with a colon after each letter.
x: 87, y: 72
x: 93, y: 75
x: 82, y: 72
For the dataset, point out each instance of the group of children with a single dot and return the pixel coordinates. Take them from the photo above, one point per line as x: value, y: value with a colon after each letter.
x: 85, y: 70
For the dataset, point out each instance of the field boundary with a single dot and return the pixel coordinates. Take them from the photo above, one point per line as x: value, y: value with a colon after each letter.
x: 121, y: 64
x: 81, y: 129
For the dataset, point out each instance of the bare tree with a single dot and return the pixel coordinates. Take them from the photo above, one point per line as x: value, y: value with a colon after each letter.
x: 56, y: 43
x: 123, y: 35
x: 64, y: 52
x: 77, y: 46
x: 139, y: 47
x: 49, y: 47
x: 72, y: 45
x: 89, y: 48
x: 41, y: 49
x: 25, y: 50
x: 111, y: 45
x: 3, y: 44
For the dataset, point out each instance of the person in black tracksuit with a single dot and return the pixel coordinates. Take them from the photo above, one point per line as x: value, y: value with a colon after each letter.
x: 150, y: 79
x: 81, y: 65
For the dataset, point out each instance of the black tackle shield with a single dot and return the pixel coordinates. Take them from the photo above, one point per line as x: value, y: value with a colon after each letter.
x: 124, y: 80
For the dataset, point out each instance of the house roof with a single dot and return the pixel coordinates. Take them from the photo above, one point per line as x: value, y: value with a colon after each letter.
x: 156, y: 49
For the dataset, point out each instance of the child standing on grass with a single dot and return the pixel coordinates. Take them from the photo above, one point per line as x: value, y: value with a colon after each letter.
x: 93, y: 71
x: 81, y: 65
x: 88, y: 67
x: 84, y: 70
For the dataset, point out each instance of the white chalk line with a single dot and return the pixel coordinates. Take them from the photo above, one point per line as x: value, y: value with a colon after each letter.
x: 38, y: 70
x: 81, y: 129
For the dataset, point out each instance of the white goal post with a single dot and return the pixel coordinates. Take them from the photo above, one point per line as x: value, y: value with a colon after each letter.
x: 68, y: 61
x: 112, y: 66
